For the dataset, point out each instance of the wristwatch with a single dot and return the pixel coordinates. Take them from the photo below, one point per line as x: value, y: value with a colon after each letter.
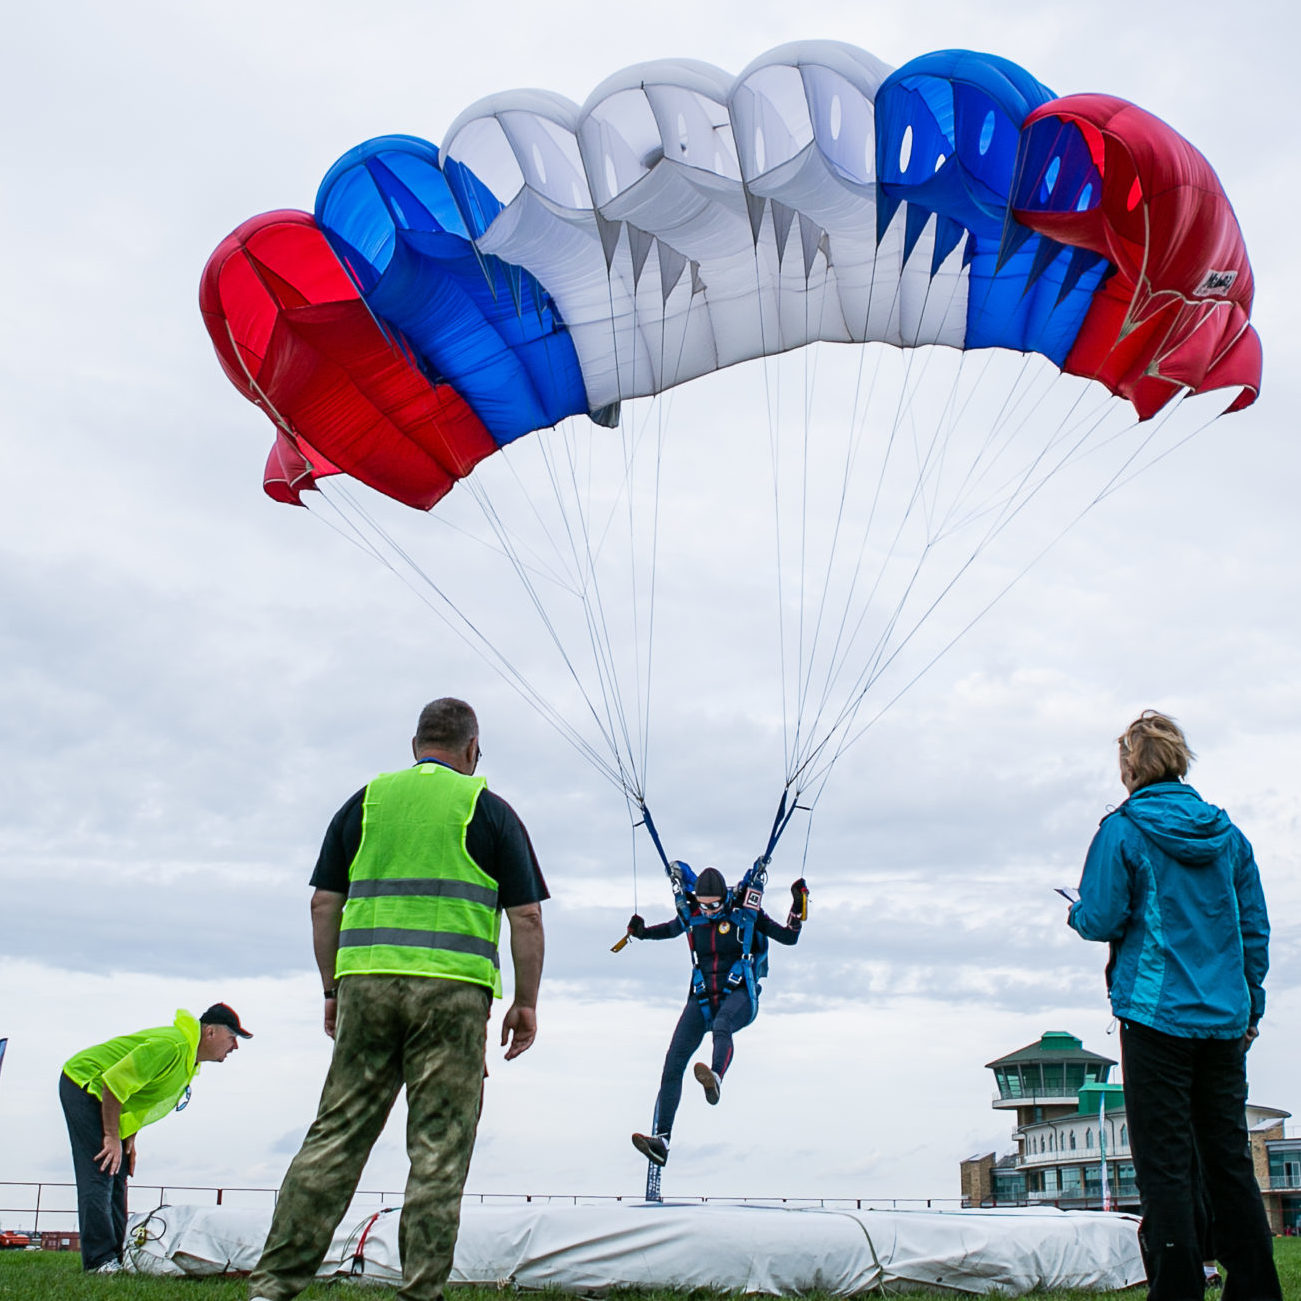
x: 332, y: 993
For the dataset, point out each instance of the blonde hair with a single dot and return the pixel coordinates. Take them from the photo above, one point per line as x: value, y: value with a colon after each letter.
x: 1154, y: 749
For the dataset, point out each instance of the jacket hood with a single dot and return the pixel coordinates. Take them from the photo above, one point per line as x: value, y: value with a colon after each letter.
x: 1179, y: 822
x: 188, y: 1024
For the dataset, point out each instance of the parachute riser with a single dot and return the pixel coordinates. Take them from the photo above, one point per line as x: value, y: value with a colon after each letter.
x: 787, y: 807
x: 649, y: 823
x: 681, y: 877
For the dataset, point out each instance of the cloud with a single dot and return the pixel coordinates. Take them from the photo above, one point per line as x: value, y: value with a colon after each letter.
x: 194, y: 679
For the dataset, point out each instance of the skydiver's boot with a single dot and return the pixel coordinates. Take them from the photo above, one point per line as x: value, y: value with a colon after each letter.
x: 654, y: 1147
x: 710, y: 1082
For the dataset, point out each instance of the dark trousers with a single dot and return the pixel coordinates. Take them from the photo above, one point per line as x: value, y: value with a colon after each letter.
x: 734, y: 1013
x: 101, y: 1198
x: 1185, y: 1099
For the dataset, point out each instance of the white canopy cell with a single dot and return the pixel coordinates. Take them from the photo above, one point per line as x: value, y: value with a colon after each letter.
x: 684, y: 219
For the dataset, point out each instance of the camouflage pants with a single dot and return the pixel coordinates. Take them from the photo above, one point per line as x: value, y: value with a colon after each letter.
x: 428, y: 1035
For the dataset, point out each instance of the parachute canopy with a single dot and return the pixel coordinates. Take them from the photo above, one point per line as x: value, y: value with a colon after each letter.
x: 555, y: 259
x: 551, y: 260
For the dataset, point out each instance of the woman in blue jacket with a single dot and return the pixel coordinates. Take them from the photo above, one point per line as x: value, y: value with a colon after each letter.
x: 1171, y: 884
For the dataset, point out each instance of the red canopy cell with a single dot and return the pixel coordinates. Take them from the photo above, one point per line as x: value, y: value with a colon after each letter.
x: 296, y: 339
x: 1174, y: 315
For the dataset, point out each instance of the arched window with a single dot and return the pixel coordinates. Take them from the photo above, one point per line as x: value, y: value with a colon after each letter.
x: 1088, y: 1138
x: 1052, y: 1142
x: 1124, y: 1136
x: 1072, y: 1140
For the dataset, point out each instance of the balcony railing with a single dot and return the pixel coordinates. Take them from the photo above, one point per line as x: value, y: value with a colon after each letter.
x: 1083, y: 1156
x: 1079, y: 1199
x: 1039, y: 1097
x: 1284, y: 1183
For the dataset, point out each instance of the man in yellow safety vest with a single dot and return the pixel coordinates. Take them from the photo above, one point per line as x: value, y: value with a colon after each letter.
x: 413, y: 876
x: 110, y: 1092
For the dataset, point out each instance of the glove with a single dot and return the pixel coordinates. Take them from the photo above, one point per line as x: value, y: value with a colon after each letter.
x: 636, y: 926
x: 799, y: 903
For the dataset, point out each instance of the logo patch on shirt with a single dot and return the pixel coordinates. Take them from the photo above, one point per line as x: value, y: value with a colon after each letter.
x: 724, y: 927
x: 1215, y: 282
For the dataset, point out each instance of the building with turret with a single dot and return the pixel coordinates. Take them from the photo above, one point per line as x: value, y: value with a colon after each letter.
x: 1072, y: 1141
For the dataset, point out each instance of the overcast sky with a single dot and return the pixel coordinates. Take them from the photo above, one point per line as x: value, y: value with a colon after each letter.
x: 194, y: 678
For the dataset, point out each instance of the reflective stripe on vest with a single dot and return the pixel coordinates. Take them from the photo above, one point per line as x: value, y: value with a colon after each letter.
x: 418, y: 904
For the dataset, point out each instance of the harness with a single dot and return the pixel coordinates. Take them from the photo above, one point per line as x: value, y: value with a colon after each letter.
x: 741, y: 909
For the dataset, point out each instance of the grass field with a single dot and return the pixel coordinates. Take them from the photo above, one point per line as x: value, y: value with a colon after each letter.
x: 57, y: 1276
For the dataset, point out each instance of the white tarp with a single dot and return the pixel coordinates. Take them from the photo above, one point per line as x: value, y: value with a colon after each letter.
x: 778, y: 1250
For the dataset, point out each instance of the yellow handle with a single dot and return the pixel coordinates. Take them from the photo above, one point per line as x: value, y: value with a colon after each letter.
x: 614, y: 948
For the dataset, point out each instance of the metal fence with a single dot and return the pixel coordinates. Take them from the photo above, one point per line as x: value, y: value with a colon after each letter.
x: 36, y: 1206
x: 33, y: 1206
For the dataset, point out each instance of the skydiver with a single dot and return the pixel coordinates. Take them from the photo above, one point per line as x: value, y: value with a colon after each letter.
x: 729, y: 944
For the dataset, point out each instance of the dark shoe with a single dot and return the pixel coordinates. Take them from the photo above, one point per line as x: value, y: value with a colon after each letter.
x: 652, y: 1147
x: 710, y: 1082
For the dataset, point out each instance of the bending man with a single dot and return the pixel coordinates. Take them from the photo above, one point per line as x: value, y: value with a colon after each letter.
x: 729, y: 944
x: 112, y: 1091
x: 413, y: 877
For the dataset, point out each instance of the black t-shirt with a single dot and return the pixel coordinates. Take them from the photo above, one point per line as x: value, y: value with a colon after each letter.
x: 495, y: 839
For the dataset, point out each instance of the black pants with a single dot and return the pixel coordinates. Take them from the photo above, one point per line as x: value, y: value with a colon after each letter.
x: 734, y: 1013
x: 1185, y: 1099
x: 101, y: 1198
